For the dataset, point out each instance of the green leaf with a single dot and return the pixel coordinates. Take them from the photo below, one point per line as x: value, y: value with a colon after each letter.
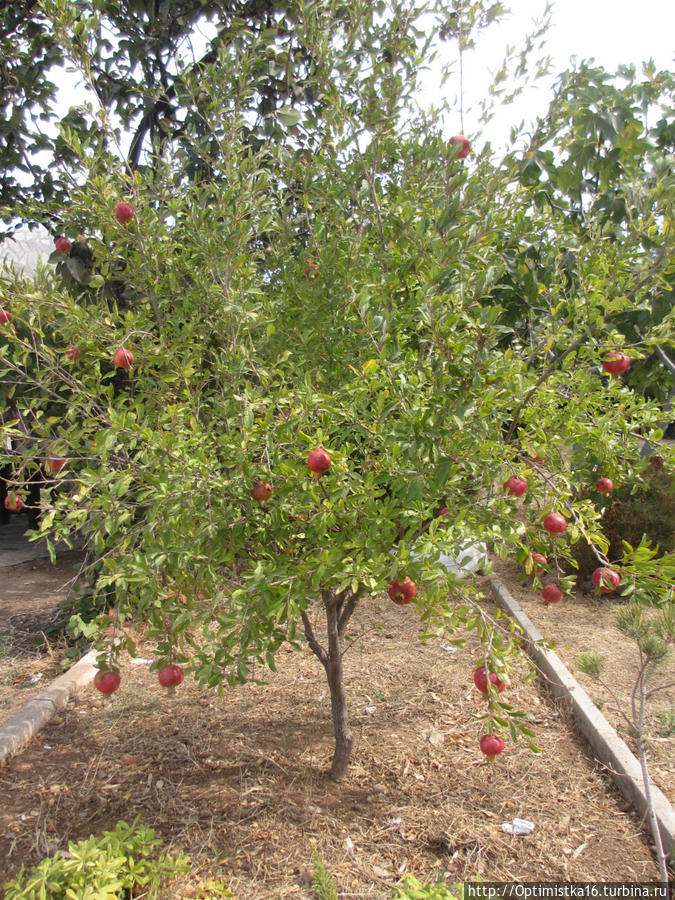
x: 288, y: 116
x: 77, y: 268
x: 442, y: 471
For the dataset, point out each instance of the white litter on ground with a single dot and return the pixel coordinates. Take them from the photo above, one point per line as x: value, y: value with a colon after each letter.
x: 518, y: 826
x: 469, y: 558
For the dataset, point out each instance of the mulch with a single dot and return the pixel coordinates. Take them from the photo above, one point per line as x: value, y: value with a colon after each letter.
x: 238, y: 782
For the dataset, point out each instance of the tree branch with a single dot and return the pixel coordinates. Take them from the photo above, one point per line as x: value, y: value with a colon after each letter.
x: 161, y: 104
x: 349, y: 608
x: 660, y: 687
x: 666, y: 360
x: 153, y: 114
x: 542, y: 378
x: 315, y: 646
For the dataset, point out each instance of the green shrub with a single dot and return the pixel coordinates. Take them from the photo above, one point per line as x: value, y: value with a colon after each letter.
x: 121, y: 863
x: 323, y: 885
x: 412, y: 889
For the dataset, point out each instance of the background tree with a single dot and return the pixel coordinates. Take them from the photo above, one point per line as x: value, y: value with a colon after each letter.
x: 334, y: 289
x: 601, y: 159
x: 147, y: 66
x: 137, y: 57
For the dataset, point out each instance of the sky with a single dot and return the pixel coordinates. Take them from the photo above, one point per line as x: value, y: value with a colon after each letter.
x: 613, y: 32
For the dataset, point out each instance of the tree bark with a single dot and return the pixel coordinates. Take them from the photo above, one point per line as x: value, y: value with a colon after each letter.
x: 339, y: 609
x: 344, y: 740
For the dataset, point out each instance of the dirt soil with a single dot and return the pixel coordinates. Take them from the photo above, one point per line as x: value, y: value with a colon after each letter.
x: 239, y: 782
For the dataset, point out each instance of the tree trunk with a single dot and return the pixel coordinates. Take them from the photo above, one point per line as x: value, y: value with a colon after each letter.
x: 338, y: 700
x: 339, y: 609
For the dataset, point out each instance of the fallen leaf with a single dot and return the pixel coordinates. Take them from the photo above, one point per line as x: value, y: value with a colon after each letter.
x: 579, y: 850
x: 379, y: 872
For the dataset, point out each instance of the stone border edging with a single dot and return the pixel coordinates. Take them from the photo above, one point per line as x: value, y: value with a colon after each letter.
x: 608, y: 747
x: 33, y: 553
x: 18, y: 730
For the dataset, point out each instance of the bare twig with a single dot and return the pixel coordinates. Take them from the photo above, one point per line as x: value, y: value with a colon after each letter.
x: 666, y: 360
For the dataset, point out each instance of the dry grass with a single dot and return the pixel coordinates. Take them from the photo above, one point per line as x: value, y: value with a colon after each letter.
x: 32, y: 652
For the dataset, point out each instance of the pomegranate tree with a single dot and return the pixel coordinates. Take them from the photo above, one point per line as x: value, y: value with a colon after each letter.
x: 444, y: 363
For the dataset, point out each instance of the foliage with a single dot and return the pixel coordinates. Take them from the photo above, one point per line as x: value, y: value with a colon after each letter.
x: 591, y: 663
x: 139, y: 57
x: 412, y: 889
x: 643, y: 511
x: 645, y: 583
x: 646, y: 510
x: 601, y: 161
x: 337, y: 286
x: 212, y: 889
x: 120, y: 861
x: 323, y: 885
x: 151, y: 68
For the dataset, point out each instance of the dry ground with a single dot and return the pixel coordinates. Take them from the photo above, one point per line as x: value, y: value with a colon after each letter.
x: 238, y: 782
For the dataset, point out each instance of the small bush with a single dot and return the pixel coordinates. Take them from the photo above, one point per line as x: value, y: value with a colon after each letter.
x: 412, y: 889
x: 121, y: 863
x: 665, y: 719
x: 323, y: 885
x: 590, y: 663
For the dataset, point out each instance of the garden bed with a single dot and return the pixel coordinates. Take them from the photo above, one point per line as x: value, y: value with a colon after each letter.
x: 239, y: 782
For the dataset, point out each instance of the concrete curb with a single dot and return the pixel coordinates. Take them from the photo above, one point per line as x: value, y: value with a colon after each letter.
x: 16, y: 549
x: 18, y: 730
x: 18, y: 554
x: 608, y: 747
